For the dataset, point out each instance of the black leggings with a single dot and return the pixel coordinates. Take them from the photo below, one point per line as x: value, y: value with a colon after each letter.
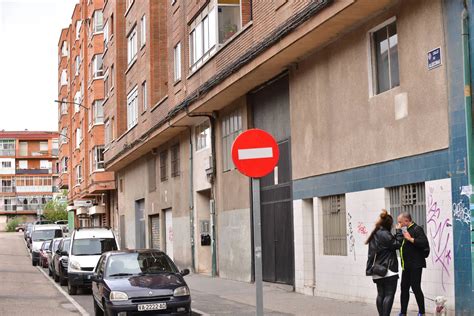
x: 386, y: 289
x: 412, y: 278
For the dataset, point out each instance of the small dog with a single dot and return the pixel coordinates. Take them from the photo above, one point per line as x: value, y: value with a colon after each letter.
x: 441, y: 306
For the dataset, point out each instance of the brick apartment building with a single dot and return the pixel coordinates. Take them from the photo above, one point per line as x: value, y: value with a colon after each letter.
x: 362, y: 120
x: 81, y: 119
x: 28, y: 173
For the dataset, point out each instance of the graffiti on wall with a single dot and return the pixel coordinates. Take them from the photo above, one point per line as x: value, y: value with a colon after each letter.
x: 350, y: 236
x: 461, y: 213
x: 439, y: 235
x: 361, y: 229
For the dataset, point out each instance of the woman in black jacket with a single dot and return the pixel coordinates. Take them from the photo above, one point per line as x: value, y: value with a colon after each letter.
x: 382, y: 262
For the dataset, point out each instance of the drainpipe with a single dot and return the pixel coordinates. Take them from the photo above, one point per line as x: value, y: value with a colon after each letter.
x: 191, y: 195
x: 212, y: 177
x: 468, y: 116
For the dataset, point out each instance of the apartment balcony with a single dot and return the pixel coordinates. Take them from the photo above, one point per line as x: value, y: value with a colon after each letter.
x: 34, y: 171
x: 7, y: 189
x: 7, y: 152
x: 34, y: 188
x: 35, y: 154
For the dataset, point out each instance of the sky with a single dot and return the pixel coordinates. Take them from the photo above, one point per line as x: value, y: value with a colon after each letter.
x: 30, y: 30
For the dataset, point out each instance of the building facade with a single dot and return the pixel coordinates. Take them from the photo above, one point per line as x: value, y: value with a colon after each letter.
x: 81, y: 116
x: 28, y: 173
x: 365, y: 99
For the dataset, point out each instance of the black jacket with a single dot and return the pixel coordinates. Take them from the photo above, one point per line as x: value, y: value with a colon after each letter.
x: 412, y: 255
x: 383, y: 248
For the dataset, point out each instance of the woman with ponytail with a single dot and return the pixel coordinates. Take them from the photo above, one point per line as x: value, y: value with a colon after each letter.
x: 382, y: 262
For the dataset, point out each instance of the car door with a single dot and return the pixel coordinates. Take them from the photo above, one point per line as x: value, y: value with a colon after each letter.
x: 97, y: 286
x: 57, y: 256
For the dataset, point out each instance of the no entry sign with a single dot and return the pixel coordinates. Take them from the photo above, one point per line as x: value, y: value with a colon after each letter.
x: 255, y: 153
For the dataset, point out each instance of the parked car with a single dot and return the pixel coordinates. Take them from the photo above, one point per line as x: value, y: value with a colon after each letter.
x: 43, y: 222
x: 20, y: 227
x: 42, y: 233
x: 87, y: 245
x: 43, y: 261
x: 60, y: 261
x: 139, y: 281
x: 63, y: 224
x: 53, y: 247
x: 27, y: 234
x: 28, y: 228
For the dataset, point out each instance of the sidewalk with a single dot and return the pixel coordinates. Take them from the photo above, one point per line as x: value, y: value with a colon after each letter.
x: 216, y: 296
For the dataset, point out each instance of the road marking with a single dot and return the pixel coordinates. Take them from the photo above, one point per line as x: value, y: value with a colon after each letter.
x: 200, y: 312
x: 255, y: 153
x: 79, y: 308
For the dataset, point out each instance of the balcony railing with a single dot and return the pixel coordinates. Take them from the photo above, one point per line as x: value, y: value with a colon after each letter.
x: 34, y: 171
x: 7, y: 152
x: 7, y: 189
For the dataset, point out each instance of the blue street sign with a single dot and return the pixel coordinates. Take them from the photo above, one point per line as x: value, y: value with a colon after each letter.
x: 434, y: 58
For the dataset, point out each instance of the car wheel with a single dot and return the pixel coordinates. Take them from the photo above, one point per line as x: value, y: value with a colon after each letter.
x: 56, y: 277
x: 97, y: 310
x: 50, y: 273
x: 62, y: 280
x: 33, y: 263
x: 72, y: 290
x: 20, y: 230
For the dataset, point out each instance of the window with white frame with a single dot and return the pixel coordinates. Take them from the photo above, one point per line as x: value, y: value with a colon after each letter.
x: 63, y: 136
x: 45, y: 164
x: 78, y: 174
x: 64, y: 49
x: 63, y: 77
x: 97, y: 66
x: 64, y: 161
x: 98, y: 111
x: 108, y: 132
x: 132, y: 108
x: 229, y: 19
x: 98, y: 158
x: 177, y: 62
x: 6, y: 164
x: 55, y: 147
x: 384, y: 55
x: 78, y: 137
x: 64, y: 106
x: 144, y: 96
x: 106, y: 34
x: 77, y: 101
x: 44, y: 146
x: 143, y: 31
x: 106, y: 84
x: 78, y: 64
x: 203, y: 135
x: 98, y: 21
x: 7, y: 147
x: 23, y: 164
x: 334, y: 225
x: 78, y: 29
x: 231, y: 128
x: 132, y: 46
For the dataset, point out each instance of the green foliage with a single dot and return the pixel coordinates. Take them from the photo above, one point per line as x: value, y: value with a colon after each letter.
x: 12, y: 224
x: 55, y: 211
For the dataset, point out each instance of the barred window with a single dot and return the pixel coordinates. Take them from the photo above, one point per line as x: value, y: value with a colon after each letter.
x: 231, y: 128
x: 175, y: 160
x: 409, y: 198
x: 164, y: 165
x: 334, y: 225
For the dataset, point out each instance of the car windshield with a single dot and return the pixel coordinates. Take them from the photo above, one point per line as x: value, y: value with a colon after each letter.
x: 139, y: 263
x: 66, y: 245
x: 42, y: 235
x: 93, y: 246
x: 45, y: 245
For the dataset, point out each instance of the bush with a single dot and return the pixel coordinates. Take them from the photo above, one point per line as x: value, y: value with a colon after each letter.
x: 12, y: 224
x: 55, y: 211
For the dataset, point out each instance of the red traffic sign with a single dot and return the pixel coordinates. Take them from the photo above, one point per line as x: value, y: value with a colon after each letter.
x: 255, y: 153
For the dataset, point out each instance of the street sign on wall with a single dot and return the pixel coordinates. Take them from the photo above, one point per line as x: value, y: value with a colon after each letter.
x: 82, y: 203
x: 434, y: 58
x: 255, y: 153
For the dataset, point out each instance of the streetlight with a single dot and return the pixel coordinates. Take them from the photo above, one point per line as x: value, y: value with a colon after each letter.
x: 71, y: 102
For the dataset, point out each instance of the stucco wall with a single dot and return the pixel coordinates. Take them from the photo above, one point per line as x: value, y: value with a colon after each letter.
x: 336, y: 125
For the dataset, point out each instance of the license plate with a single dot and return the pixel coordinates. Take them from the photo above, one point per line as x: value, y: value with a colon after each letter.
x: 151, y: 307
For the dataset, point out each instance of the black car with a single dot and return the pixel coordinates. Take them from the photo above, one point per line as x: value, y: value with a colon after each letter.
x: 60, y: 261
x: 53, y: 246
x: 139, y: 281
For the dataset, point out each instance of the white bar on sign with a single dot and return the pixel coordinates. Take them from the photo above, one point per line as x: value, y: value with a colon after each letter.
x: 255, y: 153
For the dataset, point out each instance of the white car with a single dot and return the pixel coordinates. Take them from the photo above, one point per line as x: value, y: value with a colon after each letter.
x: 87, y: 245
x: 40, y: 234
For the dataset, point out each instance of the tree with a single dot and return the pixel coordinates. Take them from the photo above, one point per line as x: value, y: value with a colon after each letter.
x: 55, y: 210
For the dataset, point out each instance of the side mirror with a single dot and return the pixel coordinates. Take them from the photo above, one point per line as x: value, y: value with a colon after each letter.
x: 64, y: 253
x: 58, y: 252
x: 96, y: 278
x: 184, y: 272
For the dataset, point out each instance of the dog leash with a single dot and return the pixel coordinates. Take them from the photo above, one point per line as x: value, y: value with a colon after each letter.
x: 429, y: 299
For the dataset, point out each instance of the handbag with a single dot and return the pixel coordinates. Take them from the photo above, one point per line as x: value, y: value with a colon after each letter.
x: 379, y: 269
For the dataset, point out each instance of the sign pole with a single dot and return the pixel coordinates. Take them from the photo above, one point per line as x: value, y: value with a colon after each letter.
x: 257, y: 237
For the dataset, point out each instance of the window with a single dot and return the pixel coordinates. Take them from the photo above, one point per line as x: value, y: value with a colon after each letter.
x: 64, y: 161
x: 45, y: 164
x: 334, y: 225
x: 132, y: 108
x: 231, y: 128
x: 78, y: 137
x: 78, y: 174
x: 64, y: 49
x: 151, y: 166
x: 55, y: 147
x: 7, y: 147
x: 106, y: 34
x: 384, y: 43
x: 202, y: 135
x: 97, y: 66
x: 164, y: 165
x: 23, y: 148
x: 175, y: 160
x: 23, y: 164
x: 64, y: 106
x: 78, y: 29
x: 6, y: 164
x: 98, y: 112
x: 63, y: 77
x: 44, y: 146
x: 78, y: 65
x: 77, y: 101
x: 229, y: 19
x: 409, y: 198
x: 111, y: 25
x: 143, y: 31
x: 108, y: 132
x: 132, y: 46
x: 144, y: 96
x: 63, y: 136
x: 106, y: 84
x: 98, y: 158
x: 177, y: 62
x: 98, y: 21
x: 203, y: 40
x: 112, y: 74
